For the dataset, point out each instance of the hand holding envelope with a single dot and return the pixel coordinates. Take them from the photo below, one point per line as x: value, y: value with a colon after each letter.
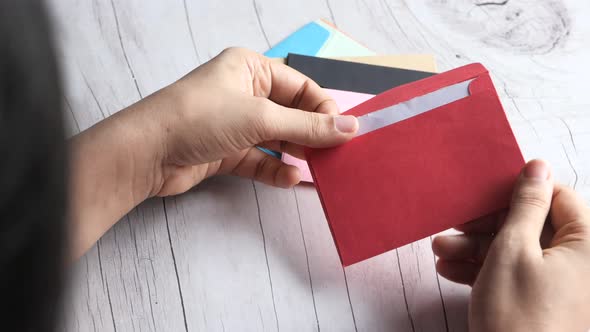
x: 345, y: 101
x: 350, y: 83
x: 429, y: 155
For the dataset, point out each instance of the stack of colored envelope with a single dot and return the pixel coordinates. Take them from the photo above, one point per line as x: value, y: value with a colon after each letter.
x: 433, y: 150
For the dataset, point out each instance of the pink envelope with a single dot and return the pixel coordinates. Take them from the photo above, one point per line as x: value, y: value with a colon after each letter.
x: 345, y: 100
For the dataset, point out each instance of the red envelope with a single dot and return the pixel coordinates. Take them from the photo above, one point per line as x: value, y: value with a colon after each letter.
x: 422, y: 175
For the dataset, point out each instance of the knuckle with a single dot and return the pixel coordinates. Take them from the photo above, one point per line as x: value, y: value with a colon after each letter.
x: 508, y: 240
x: 531, y: 197
x: 315, y: 125
x: 508, y: 247
x: 262, y: 167
x: 512, y: 248
x: 263, y: 120
x: 527, y: 260
x: 231, y: 51
x: 236, y: 53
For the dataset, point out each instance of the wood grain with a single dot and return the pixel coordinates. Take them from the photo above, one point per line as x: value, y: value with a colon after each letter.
x: 233, y: 255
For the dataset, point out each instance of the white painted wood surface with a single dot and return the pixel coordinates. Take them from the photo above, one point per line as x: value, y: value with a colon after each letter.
x: 233, y: 255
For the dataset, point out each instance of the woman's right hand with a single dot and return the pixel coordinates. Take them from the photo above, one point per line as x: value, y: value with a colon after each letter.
x: 530, y: 267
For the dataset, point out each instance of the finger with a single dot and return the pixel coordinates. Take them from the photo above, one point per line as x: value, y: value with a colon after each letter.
x: 568, y: 206
x: 529, y: 208
x: 569, y: 217
x: 303, y: 128
x: 293, y: 89
x: 274, y: 80
x: 262, y: 167
x: 458, y: 271
x: 180, y: 179
x: 473, y: 247
x: 486, y: 224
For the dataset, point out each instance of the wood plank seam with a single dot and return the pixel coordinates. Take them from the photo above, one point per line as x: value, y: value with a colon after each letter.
x: 272, y: 293
x: 260, y: 23
x: 106, y: 283
x: 442, y: 299
x: 104, y: 115
x: 69, y: 107
x: 390, y: 11
x: 349, y: 301
x: 124, y: 50
x: 175, y: 266
x: 315, y: 310
x: 399, y: 266
x: 163, y: 200
x: 569, y: 161
x: 331, y: 13
x: 190, y: 31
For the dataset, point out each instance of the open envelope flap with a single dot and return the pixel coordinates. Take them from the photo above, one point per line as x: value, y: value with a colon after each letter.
x: 418, y: 88
x: 417, y: 177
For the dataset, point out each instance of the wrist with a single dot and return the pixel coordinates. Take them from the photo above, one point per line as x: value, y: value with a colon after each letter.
x: 145, y: 127
x: 104, y: 182
x: 115, y: 165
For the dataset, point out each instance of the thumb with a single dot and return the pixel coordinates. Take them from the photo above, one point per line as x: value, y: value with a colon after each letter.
x: 529, y: 208
x: 306, y: 128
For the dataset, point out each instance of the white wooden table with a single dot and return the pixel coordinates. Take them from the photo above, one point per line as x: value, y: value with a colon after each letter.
x: 233, y: 255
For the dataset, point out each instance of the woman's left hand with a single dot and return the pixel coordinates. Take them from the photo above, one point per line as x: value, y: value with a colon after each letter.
x: 230, y: 105
x: 209, y: 122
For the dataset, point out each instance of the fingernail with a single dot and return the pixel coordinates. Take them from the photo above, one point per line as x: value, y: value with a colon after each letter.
x: 346, y: 123
x: 536, y: 169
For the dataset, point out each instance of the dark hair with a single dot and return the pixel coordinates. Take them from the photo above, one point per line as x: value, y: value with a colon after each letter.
x: 32, y: 171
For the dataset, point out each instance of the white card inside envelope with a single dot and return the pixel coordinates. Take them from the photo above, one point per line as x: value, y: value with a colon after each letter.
x: 415, y: 106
